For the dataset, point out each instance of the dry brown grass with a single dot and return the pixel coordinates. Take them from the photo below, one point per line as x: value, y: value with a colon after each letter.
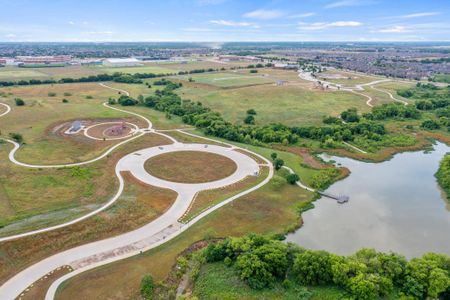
x: 268, y: 210
x: 190, y: 166
x: 138, y: 205
x: 209, y: 198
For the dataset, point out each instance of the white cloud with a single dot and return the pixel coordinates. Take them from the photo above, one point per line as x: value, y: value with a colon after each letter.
x: 99, y: 32
x: 322, y: 25
x: 71, y: 23
x: 264, y: 14
x: 231, y: 23
x: 10, y: 36
x: 346, y: 3
x: 300, y: 16
x: 394, y: 29
x: 419, y: 15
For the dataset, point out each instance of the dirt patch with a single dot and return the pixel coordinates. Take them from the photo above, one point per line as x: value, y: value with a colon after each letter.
x: 110, y: 130
x: 190, y: 166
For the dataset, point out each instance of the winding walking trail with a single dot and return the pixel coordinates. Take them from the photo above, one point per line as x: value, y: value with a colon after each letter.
x: 151, y: 235
x: 8, y: 109
x: 354, y: 89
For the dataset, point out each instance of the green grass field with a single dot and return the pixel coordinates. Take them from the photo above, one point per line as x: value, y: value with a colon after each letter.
x: 14, y: 73
x: 132, y: 70
x: 226, y: 80
x: 290, y: 104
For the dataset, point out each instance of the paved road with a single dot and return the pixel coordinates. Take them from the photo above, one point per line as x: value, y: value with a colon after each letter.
x: 146, y: 237
x: 8, y: 109
x: 353, y: 89
x: 151, y: 235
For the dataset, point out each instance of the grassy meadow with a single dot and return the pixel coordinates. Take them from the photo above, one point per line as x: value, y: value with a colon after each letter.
x: 290, y: 104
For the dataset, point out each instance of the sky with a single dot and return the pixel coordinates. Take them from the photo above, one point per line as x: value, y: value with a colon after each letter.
x: 224, y: 20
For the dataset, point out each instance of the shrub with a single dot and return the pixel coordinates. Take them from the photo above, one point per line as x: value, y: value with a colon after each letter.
x: 251, y: 111
x: 250, y: 119
x: 147, y: 286
x: 253, y: 71
x: 430, y: 125
x: 89, y: 97
x: 17, y: 137
x: 67, y: 94
x: 292, y: 178
x: 51, y: 94
x: 19, y: 102
x: 65, y: 100
x: 278, y: 163
x: 313, y: 267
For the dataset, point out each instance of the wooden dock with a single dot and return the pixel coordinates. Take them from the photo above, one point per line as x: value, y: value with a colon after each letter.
x: 339, y: 198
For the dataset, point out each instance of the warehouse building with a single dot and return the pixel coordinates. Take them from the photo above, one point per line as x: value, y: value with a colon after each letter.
x: 122, y: 62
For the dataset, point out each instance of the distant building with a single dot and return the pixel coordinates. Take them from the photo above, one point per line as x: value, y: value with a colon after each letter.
x: 239, y: 58
x: 285, y: 66
x: 2, y: 62
x: 76, y: 126
x: 281, y: 82
x: 122, y: 62
x: 57, y: 59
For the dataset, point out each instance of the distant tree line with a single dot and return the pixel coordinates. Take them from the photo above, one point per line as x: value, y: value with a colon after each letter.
x: 117, y: 77
x: 431, y: 98
x: 262, y: 261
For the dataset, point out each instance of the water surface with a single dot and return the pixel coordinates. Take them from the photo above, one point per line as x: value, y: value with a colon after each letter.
x: 395, y: 205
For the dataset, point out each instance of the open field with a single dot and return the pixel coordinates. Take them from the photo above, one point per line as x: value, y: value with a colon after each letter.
x: 138, y: 205
x: 13, y: 73
x: 226, y: 80
x: 208, y: 198
x: 268, y: 210
x: 190, y: 166
x: 345, y: 78
x: 290, y: 104
x: 132, y: 70
x: 43, y: 114
x: 64, y: 193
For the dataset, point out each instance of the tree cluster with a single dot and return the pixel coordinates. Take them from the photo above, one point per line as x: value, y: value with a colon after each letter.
x: 261, y: 261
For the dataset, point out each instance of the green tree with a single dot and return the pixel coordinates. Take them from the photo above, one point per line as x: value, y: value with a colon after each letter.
x: 249, y: 119
x: 19, y: 102
x: 292, y: 178
x: 147, y: 287
x: 278, y: 163
x: 273, y: 155
x: 313, y: 267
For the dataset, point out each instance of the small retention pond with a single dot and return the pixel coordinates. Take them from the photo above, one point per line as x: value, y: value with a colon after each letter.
x: 394, y: 205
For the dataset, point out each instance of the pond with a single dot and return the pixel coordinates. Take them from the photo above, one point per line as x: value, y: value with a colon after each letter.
x: 394, y: 205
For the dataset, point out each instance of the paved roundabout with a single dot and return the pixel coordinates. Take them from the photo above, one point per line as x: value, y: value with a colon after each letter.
x: 151, y: 235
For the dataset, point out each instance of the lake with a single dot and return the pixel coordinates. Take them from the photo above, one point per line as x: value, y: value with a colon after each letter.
x: 394, y: 205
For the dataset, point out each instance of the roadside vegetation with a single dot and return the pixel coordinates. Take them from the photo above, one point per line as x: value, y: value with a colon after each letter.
x: 259, y: 266
x: 443, y: 174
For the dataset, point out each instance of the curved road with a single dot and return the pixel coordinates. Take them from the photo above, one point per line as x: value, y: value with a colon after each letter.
x: 354, y: 89
x: 8, y: 109
x: 149, y: 236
